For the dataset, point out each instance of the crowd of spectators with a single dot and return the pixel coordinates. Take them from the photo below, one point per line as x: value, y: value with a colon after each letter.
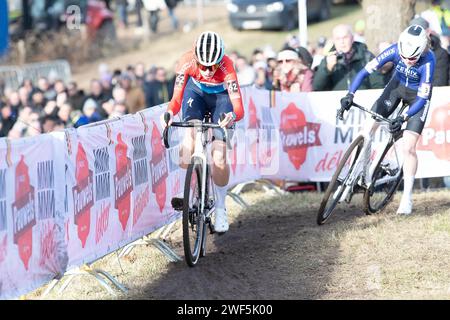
x: 50, y: 104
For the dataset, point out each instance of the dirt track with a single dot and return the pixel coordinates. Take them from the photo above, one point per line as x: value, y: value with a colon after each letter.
x: 256, y: 259
x: 275, y: 250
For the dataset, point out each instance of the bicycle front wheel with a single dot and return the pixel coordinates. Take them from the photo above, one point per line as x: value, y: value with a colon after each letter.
x: 193, y: 219
x: 337, y: 185
x: 385, y: 179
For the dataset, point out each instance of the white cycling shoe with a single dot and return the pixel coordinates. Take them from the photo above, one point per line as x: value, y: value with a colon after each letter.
x: 405, y: 207
x: 221, y: 223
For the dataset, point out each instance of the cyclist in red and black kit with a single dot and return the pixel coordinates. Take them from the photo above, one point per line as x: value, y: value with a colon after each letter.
x: 206, y: 81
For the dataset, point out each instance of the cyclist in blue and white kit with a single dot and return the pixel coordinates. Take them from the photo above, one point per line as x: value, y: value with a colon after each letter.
x: 414, y: 69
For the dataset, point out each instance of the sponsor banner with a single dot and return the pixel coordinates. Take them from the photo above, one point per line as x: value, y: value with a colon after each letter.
x: 32, y: 246
x: 434, y: 144
x: 244, y: 158
x: 312, y: 141
x: 153, y: 183
x: 118, y: 185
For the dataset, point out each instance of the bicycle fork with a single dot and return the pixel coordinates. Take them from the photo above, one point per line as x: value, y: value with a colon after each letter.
x: 361, y: 171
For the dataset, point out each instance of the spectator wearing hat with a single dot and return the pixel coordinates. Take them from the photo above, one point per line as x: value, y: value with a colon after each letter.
x: 442, y: 69
x: 293, y: 74
x: 340, y: 66
x: 89, y: 115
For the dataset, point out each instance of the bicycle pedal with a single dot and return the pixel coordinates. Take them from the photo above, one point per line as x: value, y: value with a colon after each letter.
x: 177, y: 204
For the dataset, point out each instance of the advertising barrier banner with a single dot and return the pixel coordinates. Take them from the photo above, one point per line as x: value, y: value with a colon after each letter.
x: 32, y: 246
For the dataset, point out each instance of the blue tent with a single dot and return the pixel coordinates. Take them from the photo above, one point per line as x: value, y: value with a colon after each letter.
x: 4, y: 36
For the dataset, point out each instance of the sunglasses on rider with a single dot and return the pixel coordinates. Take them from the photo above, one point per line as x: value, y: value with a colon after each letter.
x: 413, y: 59
x: 211, y: 68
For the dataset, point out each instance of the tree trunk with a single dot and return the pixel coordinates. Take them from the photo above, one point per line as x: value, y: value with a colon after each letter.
x: 385, y: 20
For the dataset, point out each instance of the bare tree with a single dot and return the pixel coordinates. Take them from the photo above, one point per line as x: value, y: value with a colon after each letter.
x: 385, y: 19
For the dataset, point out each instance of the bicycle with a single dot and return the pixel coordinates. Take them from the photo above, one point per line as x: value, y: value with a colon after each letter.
x: 198, y: 204
x: 378, y: 178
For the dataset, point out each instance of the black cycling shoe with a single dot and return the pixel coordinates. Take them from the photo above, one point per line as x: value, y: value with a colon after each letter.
x: 177, y: 204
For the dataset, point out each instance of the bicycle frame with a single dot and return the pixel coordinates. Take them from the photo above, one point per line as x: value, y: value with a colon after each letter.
x: 200, y: 153
x: 362, y: 172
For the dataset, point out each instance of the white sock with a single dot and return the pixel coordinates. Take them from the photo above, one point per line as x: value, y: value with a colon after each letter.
x: 408, y: 184
x: 221, y: 193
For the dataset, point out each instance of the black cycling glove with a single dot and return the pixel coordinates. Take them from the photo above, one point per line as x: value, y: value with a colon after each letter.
x: 346, y: 102
x: 396, y: 124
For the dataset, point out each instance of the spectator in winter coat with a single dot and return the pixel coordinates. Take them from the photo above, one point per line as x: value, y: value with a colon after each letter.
x: 159, y: 90
x: 135, y: 97
x: 340, y: 66
x: 76, y: 97
x: 89, y: 115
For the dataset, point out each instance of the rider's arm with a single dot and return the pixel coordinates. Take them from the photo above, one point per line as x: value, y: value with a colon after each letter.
x: 374, y: 64
x: 234, y: 91
x: 424, y: 90
x: 182, y: 73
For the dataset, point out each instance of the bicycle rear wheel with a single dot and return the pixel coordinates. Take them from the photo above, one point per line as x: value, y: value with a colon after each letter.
x: 193, y: 219
x: 385, y: 179
x: 335, y: 189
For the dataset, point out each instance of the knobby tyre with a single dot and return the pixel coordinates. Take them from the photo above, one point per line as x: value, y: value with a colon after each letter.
x: 385, y: 179
x: 207, y: 194
x: 334, y: 191
x: 193, y: 220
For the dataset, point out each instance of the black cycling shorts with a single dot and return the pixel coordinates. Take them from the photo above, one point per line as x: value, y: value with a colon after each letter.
x: 393, y: 93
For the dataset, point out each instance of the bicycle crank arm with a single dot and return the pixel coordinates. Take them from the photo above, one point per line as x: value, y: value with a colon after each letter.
x: 385, y: 180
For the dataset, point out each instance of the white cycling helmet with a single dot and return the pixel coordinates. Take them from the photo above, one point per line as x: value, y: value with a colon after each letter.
x: 412, y: 42
x: 209, y: 48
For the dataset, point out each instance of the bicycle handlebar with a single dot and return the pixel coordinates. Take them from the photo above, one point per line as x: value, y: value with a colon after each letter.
x: 375, y: 115
x: 202, y: 125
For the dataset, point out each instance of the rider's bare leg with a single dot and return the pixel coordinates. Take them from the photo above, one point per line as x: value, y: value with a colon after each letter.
x: 187, y: 148
x: 410, y: 140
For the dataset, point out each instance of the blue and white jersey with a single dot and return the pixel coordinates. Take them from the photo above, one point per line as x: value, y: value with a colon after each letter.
x: 417, y: 77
